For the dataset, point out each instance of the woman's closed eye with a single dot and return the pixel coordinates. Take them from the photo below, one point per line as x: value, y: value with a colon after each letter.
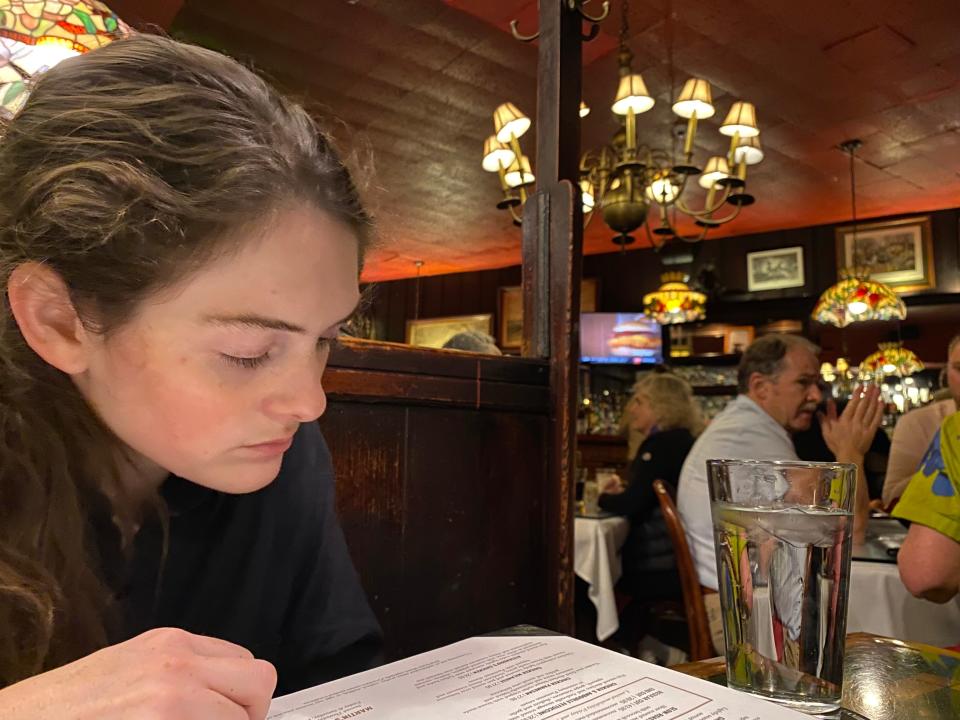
x: 257, y: 361
x: 249, y: 363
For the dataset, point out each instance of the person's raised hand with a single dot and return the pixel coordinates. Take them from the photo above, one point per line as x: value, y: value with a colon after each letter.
x: 163, y: 674
x: 849, y: 436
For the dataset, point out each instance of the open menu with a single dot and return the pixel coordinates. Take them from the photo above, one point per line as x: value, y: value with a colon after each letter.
x: 523, y: 678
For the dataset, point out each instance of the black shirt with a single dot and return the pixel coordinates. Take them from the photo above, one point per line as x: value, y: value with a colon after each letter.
x: 660, y: 457
x: 648, y: 547
x: 268, y: 570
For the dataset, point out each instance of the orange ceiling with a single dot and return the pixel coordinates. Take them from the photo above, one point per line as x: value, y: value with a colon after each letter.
x: 416, y: 82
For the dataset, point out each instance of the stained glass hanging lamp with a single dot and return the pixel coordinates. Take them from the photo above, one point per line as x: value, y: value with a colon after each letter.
x: 890, y: 359
x: 674, y: 302
x: 856, y: 297
x: 35, y: 36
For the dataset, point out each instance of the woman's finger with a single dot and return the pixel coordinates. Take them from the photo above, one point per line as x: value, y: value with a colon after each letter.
x: 215, y: 647
x: 248, y: 683
x: 177, y: 639
x: 208, y: 704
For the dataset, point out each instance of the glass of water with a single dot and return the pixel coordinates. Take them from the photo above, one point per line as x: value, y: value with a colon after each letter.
x: 783, y: 536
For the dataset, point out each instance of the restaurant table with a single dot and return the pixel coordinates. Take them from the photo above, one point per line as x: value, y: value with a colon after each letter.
x: 883, y: 679
x: 880, y: 604
x: 597, y: 540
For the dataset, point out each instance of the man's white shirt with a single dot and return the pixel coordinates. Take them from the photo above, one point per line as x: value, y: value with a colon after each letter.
x: 742, y: 431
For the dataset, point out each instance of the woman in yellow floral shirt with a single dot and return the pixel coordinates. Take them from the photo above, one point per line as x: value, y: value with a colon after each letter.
x: 929, y: 560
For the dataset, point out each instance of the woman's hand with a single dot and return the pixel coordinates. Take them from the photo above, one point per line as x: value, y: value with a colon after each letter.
x: 164, y: 674
x: 612, y: 486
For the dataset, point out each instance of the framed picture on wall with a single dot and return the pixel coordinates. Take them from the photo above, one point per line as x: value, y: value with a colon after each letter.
x: 510, y: 328
x: 434, y: 332
x: 775, y: 269
x: 898, y: 252
x: 510, y: 331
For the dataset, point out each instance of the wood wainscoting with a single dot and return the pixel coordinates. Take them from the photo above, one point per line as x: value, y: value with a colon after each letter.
x: 442, y: 470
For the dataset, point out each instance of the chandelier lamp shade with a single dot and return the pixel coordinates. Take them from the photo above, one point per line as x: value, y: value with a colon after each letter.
x: 632, y: 183
x: 35, y: 36
x: 857, y: 298
x: 674, y: 302
x: 890, y: 359
x: 509, y: 123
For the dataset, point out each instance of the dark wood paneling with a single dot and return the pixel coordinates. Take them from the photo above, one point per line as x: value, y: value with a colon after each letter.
x: 443, y: 501
x: 369, y: 449
x: 603, y: 451
x: 409, y: 389
x: 473, y: 547
x: 366, y: 355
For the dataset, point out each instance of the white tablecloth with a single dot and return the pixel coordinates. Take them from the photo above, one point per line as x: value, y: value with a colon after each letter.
x: 596, y: 560
x: 880, y: 604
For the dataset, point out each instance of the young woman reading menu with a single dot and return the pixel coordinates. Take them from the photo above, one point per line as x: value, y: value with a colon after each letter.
x: 179, y: 246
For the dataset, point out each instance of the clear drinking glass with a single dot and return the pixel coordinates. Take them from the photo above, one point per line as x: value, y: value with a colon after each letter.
x: 783, y: 537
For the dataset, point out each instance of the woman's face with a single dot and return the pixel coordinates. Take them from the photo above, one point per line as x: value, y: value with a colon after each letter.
x: 641, y: 414
x: 211, y: 379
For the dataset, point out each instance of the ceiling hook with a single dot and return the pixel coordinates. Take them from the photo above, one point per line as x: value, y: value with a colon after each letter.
x: 591, y: 34
x: 514, y: 25
x: 578, y: 6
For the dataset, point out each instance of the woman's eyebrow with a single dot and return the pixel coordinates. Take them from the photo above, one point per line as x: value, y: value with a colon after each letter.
x: 255, y: 321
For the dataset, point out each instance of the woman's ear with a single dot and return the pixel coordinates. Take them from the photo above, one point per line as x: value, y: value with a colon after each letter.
x: 41, y: 305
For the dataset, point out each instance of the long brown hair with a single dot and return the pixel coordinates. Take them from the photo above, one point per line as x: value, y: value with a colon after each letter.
x: 126, y: 169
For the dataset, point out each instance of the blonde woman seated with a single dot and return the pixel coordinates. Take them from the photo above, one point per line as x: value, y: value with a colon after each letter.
x: 663, y: 409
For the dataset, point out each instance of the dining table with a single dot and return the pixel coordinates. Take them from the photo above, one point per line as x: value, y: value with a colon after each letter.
x: 597, y: 540
x: 880, y: 604
x: 883, y: 679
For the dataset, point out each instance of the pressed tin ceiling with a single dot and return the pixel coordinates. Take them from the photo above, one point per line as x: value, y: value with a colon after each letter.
x: 416, y: 82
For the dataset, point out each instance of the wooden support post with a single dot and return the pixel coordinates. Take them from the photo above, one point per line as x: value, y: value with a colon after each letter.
x: 552, y: 259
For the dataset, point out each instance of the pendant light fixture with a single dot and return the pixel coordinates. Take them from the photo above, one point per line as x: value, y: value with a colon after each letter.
x: 856, y: 297
x: 35, y: 36
x: 674, y: 302
x: 890, y: 359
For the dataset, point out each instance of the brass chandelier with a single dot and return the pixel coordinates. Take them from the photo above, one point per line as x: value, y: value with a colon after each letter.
x: 632, y: 184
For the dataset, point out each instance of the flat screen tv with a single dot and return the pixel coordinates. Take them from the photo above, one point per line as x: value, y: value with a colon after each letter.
x: 630, y: 338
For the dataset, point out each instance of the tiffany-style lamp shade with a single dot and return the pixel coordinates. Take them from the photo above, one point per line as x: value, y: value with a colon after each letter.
x: 36, y: 35
x: 674, y: 302
x: 890, y: 359
x: 856, y: 298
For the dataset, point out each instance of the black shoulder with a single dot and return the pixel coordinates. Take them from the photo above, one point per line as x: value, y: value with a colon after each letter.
x: 668, y: 441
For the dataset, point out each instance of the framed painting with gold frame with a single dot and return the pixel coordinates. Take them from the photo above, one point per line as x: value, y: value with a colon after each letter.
x: 434, y: 332
x: 898, y: 252
x: 510, y: 316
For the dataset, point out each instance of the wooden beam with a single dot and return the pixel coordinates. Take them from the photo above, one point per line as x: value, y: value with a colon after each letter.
x: 552, y: 252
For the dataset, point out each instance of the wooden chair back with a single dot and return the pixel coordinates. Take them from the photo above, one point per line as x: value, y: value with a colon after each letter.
x: 701, y: 645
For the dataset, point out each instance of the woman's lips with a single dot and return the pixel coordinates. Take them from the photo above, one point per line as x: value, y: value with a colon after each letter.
x: 270, y: 448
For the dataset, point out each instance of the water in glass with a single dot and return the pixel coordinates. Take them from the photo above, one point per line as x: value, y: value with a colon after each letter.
x: 783, y: 574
